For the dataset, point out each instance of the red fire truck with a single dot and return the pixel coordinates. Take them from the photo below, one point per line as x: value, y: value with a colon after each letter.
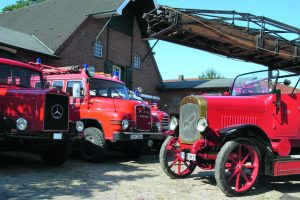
x: 111, y: 119
x: 160, y: 119
x: 252, y: 132
x: 33, y: 116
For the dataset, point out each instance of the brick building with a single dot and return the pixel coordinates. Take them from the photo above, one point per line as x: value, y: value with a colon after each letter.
x: 107, y: 34
x: 172, y: 91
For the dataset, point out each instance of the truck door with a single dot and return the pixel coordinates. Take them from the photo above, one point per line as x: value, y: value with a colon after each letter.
x: 76, y: 100
x: 286, y: 122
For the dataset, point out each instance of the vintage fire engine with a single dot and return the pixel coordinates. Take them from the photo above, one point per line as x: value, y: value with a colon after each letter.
x: 31, y: 115
x: 252, y: 132
x: 160, y: 119
x: 110, y: 118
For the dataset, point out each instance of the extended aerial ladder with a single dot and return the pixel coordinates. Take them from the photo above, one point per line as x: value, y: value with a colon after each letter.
x: 233, y: 34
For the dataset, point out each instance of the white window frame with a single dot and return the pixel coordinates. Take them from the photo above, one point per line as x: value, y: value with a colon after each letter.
x: 114, y: 69
x: 98, y: 49
x: 137, y: 61
x: 74, y: 80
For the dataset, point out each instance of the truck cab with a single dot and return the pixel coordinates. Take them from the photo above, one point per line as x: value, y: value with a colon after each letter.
x: 33, y: 115
x: 112, y: 120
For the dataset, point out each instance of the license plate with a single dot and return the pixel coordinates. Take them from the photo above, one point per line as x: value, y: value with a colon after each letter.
x: 136, y: 137
x: 57, y: 136
x: 188, y: 156
x: 191, y: 157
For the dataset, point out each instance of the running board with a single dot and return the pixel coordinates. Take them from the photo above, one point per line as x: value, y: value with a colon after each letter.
x: 287, y: 165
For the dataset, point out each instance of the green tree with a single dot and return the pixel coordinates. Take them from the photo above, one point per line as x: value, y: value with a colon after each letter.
x: 210, y: 73
x: 21, y: 4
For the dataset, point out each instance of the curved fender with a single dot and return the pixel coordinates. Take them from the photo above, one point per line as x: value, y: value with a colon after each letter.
x: 244, y: 130
x: 92, y: 122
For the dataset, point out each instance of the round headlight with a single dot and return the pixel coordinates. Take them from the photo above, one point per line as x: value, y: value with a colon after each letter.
x: 158, y: 125
x: 173, y: 123
x: 125, y: 124
x: 79, y: 126
x: 202, y: 124
x: 91, y: 71
x: 22, y: 124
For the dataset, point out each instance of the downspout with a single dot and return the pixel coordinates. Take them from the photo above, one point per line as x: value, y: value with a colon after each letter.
x: 107, y: 43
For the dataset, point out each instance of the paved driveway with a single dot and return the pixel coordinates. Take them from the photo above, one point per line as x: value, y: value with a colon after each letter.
x: 26, y: 177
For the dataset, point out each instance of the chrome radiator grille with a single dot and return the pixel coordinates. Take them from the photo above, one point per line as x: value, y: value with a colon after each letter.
x: 189, y: 115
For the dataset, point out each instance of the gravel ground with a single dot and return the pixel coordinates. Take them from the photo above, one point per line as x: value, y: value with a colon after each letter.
x: 24, y: 176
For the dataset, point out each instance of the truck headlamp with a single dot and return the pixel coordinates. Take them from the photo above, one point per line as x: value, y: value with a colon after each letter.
x: 21, y: 124
x: 125, y: 124
x: 202, y: 124
x: 91, y: 71
x: 79, y: 126
x: 173, y: 123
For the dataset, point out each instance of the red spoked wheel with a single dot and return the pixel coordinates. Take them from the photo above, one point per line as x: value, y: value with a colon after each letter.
x: 237, y: 167
x: 171, y: 162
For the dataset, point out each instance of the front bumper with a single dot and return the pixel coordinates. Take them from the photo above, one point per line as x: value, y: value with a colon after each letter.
x: 127, y: 136
x: 40, y: 135
x: 51, y: 136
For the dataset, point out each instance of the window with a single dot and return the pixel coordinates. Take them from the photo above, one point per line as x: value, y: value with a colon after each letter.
x: 19, y: 76
x: 70, y: 87
x: 137, y: 61
x: 6, y: 75
x: 58, y: 85
x: 116, y: 71
x: 47, y: 85
x: 98, y: 49
x: 110, y: 89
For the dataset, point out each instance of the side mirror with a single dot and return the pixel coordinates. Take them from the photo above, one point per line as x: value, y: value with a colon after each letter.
x: 278, y: 100
x: 286, y: 82
x: 138, y: 91
x: 76, y: 90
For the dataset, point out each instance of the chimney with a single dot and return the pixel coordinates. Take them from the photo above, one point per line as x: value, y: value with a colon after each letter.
x: 181, y: 77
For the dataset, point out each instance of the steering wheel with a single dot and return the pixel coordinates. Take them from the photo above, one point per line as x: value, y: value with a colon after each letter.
x: 247, y: 90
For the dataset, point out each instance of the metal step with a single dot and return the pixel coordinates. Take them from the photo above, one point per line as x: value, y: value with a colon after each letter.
x: 287, y: 165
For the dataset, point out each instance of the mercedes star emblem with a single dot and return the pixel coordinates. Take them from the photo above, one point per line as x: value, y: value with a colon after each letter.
x: 57, y: 111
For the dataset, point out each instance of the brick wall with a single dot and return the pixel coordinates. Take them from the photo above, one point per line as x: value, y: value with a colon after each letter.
x: 118, y: 48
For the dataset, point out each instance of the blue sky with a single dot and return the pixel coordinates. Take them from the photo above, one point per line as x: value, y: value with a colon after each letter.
x: 174, y: 59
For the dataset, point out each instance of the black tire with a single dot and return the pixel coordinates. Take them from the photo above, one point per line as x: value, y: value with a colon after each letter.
x: 57, y: 154
x: 170, y: 148
x: 93, y: 147
x: 134, y: 149
x: 237, y: 160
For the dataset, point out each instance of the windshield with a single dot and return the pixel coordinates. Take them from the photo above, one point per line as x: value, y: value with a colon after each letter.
x: 255, y: 83
x: 110, y: 89
x: 19, y: 76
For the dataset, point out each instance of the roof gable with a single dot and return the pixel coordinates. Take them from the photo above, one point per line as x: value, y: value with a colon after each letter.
x: 24, y: 41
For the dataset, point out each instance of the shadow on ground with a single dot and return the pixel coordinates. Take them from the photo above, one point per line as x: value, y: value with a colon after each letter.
x: 24, y: 176
x: 285, y: 184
